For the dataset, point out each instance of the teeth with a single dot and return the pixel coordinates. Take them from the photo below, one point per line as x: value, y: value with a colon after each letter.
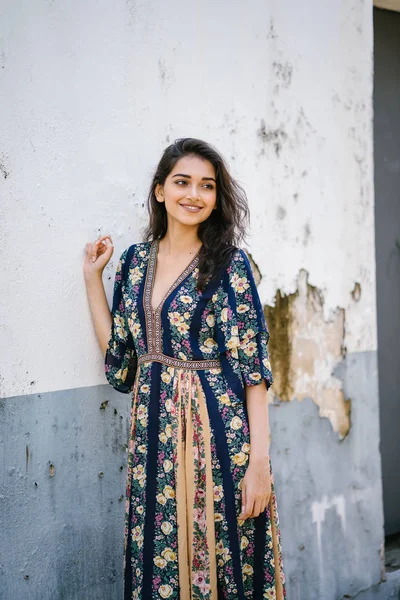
x: 193, y: 208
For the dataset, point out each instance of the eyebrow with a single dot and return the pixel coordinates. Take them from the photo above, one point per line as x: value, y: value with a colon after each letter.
x: 189, y: 177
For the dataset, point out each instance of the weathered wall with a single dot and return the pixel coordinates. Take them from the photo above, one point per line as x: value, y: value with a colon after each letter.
x: 94, y: 91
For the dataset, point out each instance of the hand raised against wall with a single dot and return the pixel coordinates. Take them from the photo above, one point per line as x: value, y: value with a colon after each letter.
x: 97, y: 255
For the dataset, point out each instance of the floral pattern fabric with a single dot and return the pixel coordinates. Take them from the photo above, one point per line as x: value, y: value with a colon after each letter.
x: 189, y: 439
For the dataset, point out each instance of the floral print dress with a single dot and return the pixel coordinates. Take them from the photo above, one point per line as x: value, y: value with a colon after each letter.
x: 189, y: 439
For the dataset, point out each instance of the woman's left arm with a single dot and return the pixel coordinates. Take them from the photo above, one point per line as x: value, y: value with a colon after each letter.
x: 256, y: 484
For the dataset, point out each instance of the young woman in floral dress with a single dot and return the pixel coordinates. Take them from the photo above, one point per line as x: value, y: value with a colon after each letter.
x: 188, y: 339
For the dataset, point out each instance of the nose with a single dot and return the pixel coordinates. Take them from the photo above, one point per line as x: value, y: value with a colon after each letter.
x: 193, y: 192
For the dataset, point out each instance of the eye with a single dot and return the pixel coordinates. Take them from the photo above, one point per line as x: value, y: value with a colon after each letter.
x: 180, y: 181
x: 209, y: 186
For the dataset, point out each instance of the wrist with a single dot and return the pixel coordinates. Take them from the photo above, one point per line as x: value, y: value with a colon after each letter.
x: 92, y: 276
x: 259, y: 458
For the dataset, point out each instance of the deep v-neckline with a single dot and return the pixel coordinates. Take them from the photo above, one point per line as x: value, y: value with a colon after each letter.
x: 153, y: 315
x: 188, y: 269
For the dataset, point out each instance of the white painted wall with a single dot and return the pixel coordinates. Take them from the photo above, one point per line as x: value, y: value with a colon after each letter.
x: 93, y: 91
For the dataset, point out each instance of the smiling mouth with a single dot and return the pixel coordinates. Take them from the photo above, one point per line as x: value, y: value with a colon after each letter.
x: 191, y: 208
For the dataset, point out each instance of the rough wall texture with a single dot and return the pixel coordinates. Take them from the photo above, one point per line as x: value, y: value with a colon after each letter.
x: 93, y: 92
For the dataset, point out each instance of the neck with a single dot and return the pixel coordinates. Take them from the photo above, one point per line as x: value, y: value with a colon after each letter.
x: 179, y: 240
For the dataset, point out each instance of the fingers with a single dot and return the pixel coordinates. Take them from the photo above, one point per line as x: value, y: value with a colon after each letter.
x: 102, y: 245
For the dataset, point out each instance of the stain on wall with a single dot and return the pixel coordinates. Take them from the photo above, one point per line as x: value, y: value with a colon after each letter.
x: 306, y: 350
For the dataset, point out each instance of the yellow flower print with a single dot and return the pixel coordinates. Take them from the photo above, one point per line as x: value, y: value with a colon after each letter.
x: 165, y: 590
x: 137, y: 536
x: 214, y: 298
x: 141, y: 411
x: 219, y: 548
x: 141, y: 448
x: 236, y: 423
x: 160, y: 562
x: 239, y: 284
x: 234, y: 330
x: 210, y: 343
x: 145, y: 388
x: 162, y: 437
x: 267, y: 364
x: 235, y: 353
x: 139, y: 509
x: 255, y: 376
x: 242, y: 308
x: 168, y: 430
x: 240, y: 459
x: 246, y: 448
x: 224, y: 399
x: 244, y: 542
x: 121, y: 374
x: 135, y: 275
x: 210, y: 320
x: 269, y: 530
x: 270, y: 594
x: 250, y: 333
x: 224, y: 315
x: 171, y: 371
x: 186, y: 315
x: 169, y: 492
x: 186, y: 299
x: 168, y: 554
x: 215, y: 371
x: 218, y: 517
x: 240, y: 522
x: 175, y: 318
x: 168, y: 404
x: 128, y: 302
x: 138, y: 472
x: 233, y: 342
x: 167, y: 466
x: 250, y: 349
x: 182, y: 356
x: 166, y: 377
x: 182, y: 327
x: 166, y: 527
x: 142, y: 253
x: 135, y: 329
x: 247, y: 569
x: 161, y: 499
x: 218, y: 493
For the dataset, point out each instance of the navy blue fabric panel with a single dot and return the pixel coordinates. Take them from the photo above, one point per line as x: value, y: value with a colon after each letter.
x: 151, y: 480
x: 128, y: 559
x: 218, y: 428
x: 259, y: 553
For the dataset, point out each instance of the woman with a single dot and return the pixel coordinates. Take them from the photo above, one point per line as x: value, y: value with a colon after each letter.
x: 201, y: 518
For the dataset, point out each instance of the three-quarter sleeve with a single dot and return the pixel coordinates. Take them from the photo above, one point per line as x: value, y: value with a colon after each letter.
x: 241, y: 326
x: 120, y: 358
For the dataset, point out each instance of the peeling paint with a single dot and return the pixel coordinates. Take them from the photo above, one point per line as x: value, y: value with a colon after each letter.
x: 306, y: 350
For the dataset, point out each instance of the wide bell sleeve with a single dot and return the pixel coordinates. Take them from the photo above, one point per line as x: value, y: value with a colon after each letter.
x: 120, y: 359
x: 242, y: 332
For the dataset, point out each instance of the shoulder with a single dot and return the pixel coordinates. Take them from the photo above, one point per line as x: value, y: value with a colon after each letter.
x: 134, y: 254
x: 239, y: 263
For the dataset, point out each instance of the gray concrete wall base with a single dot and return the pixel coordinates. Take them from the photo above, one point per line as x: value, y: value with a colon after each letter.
x: 389, y: 589
x: 62, y: 483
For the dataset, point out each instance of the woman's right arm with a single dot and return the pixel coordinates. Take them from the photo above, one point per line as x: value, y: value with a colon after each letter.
x: 97, y: 256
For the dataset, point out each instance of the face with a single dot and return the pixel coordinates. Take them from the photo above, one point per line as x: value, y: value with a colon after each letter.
x: 189, y: 192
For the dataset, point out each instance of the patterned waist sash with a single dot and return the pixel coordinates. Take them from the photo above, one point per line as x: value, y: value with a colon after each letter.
x: 179, y: 364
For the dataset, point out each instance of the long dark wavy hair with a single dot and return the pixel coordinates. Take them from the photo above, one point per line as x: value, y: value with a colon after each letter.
x: 224, y: 229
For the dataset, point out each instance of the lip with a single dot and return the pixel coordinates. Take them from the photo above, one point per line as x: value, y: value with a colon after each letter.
x: 191, y: 208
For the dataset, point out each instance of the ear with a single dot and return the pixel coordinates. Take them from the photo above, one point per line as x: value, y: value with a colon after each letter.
x: 159, y: 193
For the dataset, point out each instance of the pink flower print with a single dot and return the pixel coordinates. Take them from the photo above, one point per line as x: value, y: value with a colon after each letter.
x: 199, y: 581
x: 199, y: 518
